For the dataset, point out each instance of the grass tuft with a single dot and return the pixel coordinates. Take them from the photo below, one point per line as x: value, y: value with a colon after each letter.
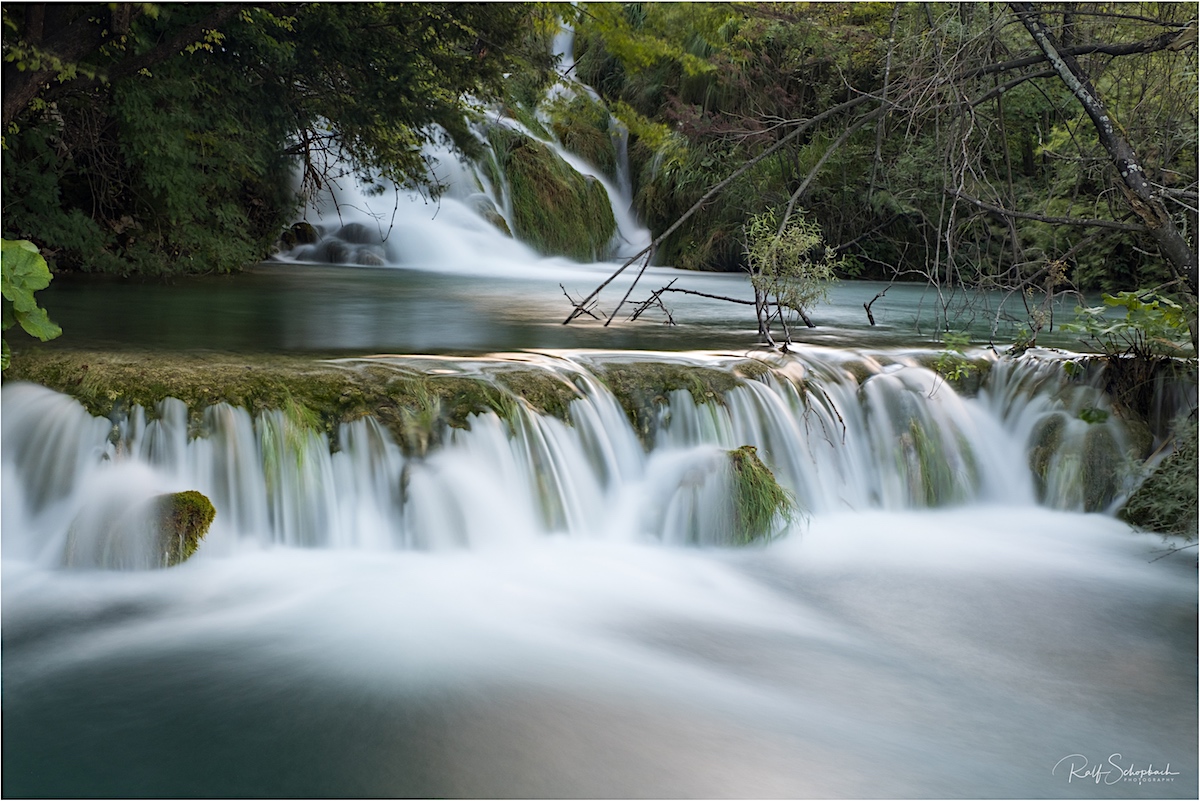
x: 762, y: 508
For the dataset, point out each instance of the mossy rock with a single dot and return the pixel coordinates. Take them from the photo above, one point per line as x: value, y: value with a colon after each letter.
x: 415, y: 407
x: 582, y: 126
x: 305, y: 233
x: 1102, y: 461
x: 546, y: 392
x: 1044, y: 442
x: 641, y: 387
x: 762, y: 508
x: 858, y: 370
x: 182, y: 519
x: 752, y: 369
x: 933, y: 480
x: 486, y: 208
x: 555, y: 209
x: 965, y: 374
x: 1166, y: 501
x: 302, y: 233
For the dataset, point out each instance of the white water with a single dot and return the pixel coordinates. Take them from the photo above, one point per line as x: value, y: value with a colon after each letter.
x: 519, y: 613
x: 452, y: 233
x: 538, y: 609
x: 903, y: 439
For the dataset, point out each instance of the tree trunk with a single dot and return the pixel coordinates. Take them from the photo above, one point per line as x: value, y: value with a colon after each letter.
x: 1138, y: 191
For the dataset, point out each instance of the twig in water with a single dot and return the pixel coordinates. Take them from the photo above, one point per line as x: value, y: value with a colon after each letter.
x: 1173, y: 550
x: 579, y: 307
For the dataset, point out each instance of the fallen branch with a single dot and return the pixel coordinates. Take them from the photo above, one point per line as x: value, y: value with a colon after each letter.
x: 641, y: 272
x: 711, y: 193
x: 579, y: 306
x: 1173, y: 550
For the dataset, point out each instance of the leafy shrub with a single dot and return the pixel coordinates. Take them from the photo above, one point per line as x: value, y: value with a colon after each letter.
x: 23, y: 271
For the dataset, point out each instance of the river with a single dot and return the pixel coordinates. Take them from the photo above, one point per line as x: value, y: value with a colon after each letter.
x: 542, y: 611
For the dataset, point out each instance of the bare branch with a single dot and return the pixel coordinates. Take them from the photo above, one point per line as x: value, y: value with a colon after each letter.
x: 1026, y: 215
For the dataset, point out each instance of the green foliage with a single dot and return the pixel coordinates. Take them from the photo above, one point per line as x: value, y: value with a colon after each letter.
x: 555, y: 209
x: 187, y: 166
x: 952, y: 364
x: 23, y: 271
x: 792, y: 264
x: 762, y: 508
x: 1153, y: 325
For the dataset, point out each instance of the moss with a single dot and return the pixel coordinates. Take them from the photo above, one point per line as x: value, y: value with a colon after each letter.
x: 582, y: 126
x: 934, y: 482
x: 522, y: 114
x: 320, y: 395
x: 858, y: 370
x: 761, y: 505
x: 182, y: 520
x: 1044, y: 443
x: 752, y: 369
x: 1101, y: 464
x: 555, y: 209
x: 640, y: 387
x: 1166, y: 501
x: 965, y: 374
x: 546, y: 392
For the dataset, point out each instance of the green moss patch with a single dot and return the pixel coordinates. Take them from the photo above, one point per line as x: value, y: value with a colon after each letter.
x: 555, y: 209
x: 641, y: 387
x: 182, y: 520
x: 415, y: 407
x: 546, y: 392
x: 1166, y: 501
x: 1044, y: 443
x: 582, y: 126
x: 762, y: 508
x: 1102, y: 464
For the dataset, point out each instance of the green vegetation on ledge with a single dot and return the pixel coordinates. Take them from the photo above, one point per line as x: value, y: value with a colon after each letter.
x: 641, y: 387
x: 582, y: 126
x: 762, y: 508
x: 555, y: 209
x: 415, y: 407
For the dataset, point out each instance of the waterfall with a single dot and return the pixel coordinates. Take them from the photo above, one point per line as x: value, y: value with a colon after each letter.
x: 841, y: 431
x: 377, y: 223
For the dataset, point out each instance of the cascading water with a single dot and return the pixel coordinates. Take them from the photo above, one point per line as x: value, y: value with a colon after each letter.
x: 902, y: 438
x: 546, y: 605
x: 382, y: 224
x: 519, y: 607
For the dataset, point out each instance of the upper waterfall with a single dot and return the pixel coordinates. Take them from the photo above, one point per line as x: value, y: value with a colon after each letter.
x: 471, y: 221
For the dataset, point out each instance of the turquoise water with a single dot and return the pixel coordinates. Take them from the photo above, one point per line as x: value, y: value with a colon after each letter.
x: 335, y: 309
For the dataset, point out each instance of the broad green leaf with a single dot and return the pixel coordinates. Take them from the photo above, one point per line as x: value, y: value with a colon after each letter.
x: 23, y: 271
x: 37, y: 323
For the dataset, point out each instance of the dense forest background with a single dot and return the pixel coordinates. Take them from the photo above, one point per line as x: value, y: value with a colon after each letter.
x: 945, y: 142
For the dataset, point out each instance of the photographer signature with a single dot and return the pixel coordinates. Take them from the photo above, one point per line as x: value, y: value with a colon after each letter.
x: 1112, y: 771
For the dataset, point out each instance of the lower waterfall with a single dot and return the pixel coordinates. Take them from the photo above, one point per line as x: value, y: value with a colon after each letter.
x: 532, y: 604
x: 903, y: 438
